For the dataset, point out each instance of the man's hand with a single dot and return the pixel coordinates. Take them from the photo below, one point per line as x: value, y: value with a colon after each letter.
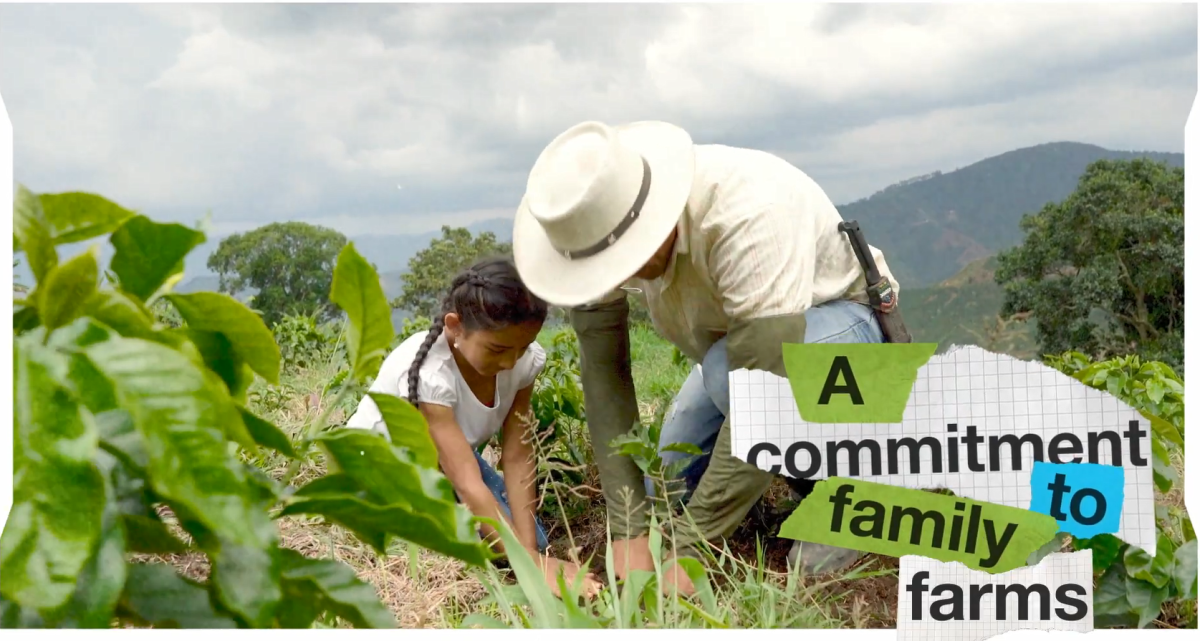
x: 551, y: 567
x: 631, y: 554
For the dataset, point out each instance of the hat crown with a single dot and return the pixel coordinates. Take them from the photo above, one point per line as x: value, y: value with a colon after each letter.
x: 582, y: 186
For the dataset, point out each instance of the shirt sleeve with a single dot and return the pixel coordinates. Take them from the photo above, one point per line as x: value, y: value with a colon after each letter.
x: 535, y: 359
x: 763, y: 262
x: 436, y: 387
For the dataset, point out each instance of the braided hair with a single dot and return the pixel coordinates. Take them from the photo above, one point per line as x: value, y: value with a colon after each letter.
x: 488, y: 295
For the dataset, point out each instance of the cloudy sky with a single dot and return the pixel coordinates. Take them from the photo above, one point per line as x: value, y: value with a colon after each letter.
x: 395, y: 119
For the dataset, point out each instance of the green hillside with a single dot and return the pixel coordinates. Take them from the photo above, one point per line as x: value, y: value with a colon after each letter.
x: 963, y: 310
x: 933, y: 226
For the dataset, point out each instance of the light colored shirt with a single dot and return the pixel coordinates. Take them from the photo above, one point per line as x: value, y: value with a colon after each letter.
x: 757, y: 239
x: 441, y: 383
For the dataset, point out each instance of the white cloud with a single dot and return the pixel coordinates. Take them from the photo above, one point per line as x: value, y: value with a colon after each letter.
x: 269, y: 112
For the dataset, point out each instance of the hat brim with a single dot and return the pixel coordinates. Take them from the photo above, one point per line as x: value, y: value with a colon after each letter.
x: 570, y: 283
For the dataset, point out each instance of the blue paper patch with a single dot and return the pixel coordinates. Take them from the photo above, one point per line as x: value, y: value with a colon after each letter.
x: 1085, y: 498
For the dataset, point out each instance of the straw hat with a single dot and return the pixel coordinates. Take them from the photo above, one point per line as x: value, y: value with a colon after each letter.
x: 599, y: 202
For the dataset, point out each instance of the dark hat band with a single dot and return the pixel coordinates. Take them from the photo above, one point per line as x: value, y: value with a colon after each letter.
x: 623, y: 226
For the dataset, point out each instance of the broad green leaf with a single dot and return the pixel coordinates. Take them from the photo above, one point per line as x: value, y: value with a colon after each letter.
x: 58, y: 493
x: 218, y: 354
x: 374, y: 523
x: 117, y: 311
x: 1165, y: 475
x: 267, y: 435
x: 1154, y: 570
x: 357, y: 291
x: 148, y: 253
x: 246, y: 580
x: 102, y: 580
x: 407, y: 428
x: 179, y: 413
x: 375, y: 465
x: 121, y: 439
x: 1105, y: 548
x: 1184, y: 572
x: 13, y: 616
x: 1166, y: 430
x: 246, y: 331
x: 314, y: 586
x: 155, y: 595
x: 25, y: 319
x: 32, y: 232
x: 61, y: 296
x: 76, y: 216
x: 150, y: 536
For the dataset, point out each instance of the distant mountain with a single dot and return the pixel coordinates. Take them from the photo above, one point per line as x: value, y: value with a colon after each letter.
x: 933, y: 226
x: 962, y: 310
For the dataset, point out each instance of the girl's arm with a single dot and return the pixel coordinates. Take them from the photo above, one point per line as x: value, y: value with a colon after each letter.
x: 458, y: 463
x: 520, y: 468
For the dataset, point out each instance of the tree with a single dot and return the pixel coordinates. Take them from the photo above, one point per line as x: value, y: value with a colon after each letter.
x: 433, y: 268
x: 1102, y: 271
x: 290, y: 265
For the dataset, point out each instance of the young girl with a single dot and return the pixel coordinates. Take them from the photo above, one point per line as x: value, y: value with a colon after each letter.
x: 471, y: 375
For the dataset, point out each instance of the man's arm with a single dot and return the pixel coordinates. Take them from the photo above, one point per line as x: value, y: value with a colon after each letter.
x: 611, y: 405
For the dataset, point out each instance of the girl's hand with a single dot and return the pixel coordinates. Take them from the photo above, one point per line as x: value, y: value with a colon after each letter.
x: 551, y: 568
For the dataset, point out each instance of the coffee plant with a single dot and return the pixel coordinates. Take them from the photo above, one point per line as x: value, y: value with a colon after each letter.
x: 120, y: 418
x: 1133, y: 586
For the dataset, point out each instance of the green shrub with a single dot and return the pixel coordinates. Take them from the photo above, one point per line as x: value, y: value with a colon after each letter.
x: 1132, y: 586
x: 121, y: 418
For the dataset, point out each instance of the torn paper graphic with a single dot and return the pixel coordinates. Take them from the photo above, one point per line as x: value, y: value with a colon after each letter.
x: 950, y: 601
x: 975, y: 424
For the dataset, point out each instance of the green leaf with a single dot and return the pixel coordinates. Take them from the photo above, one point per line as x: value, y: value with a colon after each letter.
x: 267, y: 435
x: 684, y: 448
x: 25, y: 320
x: 314, y: 586
x: 149, y: 535
x: 1111, y: 604
x: 246, y: 580
x: 101, y: 582
x: 1164, y: 473
x: 378, y: 468
x: 1165, y: 429
x: 155, y: 595
x: 374, y: 523
x: 1105, y: 548
x: 407, y: 427
x: 357, y: 291
x: 148, y: 253
x: 179, y: 412
x: 1184, y: 572
x: 217, y: 352
x: 251, y: 340
x: 1154, y: 570
x: 32, y: 232
x: 120, y: 313
x: 76, y: 216
x: 58, y: 493
x: 61, y: 296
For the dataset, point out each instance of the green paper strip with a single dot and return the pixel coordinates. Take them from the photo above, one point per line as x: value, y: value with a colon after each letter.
x: 867, y: 382
x: 983, y: 536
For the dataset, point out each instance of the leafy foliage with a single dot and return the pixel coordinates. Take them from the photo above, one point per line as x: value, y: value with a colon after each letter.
x: 1102, y: 271
x: 431, y: 270
x: 1133, y: 587
x: 120, y: 418
x: 288, y: 265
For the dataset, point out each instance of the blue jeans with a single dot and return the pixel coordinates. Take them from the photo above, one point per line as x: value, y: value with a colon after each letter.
x: 495, y: 483
x: 700, y: 407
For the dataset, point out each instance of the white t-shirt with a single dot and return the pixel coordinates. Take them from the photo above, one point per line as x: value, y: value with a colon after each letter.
x: 441, y: 383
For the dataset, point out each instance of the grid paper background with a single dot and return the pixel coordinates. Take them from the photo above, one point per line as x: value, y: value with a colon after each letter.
x: 1054, y: 570
x: 969, y: 385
